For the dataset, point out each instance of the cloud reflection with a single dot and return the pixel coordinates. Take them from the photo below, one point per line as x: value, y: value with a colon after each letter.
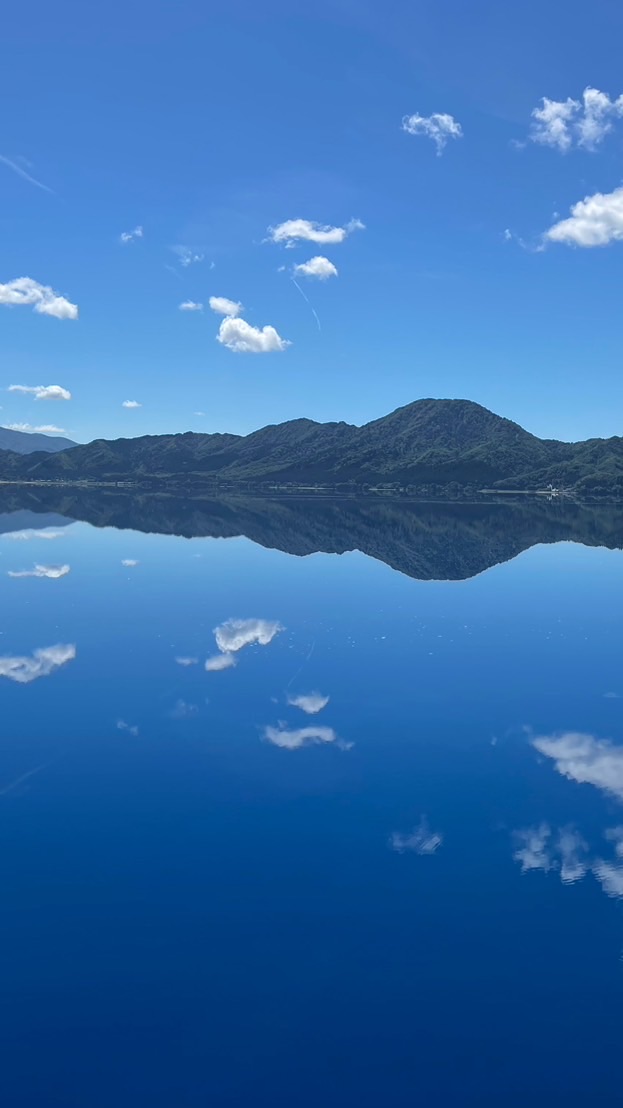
x: 302, y: 736
x: 585, y: 759
x: 41, y: 663
x: 310, y: 703
x: 235, y: 634
x: 32, y: 533
x: 53, y: 572
x: 220, y: 661
x: 568, y: 854
x: 421, y: 840
x: 183, y: 710
x: 132, y: 729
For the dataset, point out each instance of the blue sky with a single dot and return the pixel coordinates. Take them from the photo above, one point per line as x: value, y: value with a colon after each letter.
x: 205, y: 125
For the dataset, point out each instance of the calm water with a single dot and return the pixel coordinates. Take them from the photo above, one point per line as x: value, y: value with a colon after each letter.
x: 372, y: 855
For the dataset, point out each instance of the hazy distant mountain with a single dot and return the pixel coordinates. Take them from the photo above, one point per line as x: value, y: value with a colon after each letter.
x: 28, y: 442
x: 428, y: 541
x: 450, y: 445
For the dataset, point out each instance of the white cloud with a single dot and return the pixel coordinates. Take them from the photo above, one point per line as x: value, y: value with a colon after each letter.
x: 439, y: 127
x: 130, y: 236
x: 187, y: 256
x: 318, y: 267
x: 551, y: 123
x: 33, y: 533
x: 129, y: 562
x: 219, y: 662
x: 421, y: 840
x: 533, y: 849
x: 223, y: 306
x: 131, y: 404
x: 242, y: 338
x: 304, y: 736
x: 235, y: 634
x: 42, y: 298
x: 307, y: 230
x: 566, y: 123
x: 27, y: 428
x: 190, y: 306
x: 17, y: 165
x: 53, y: 572
x: 187, y: 661
x: 42, y: 392
x: 311, y: 703
x: 585, y: 759
x: 41, y: 663
x: 595, y: 221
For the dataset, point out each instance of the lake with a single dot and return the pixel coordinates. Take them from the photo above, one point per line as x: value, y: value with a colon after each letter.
x: 310, y: 802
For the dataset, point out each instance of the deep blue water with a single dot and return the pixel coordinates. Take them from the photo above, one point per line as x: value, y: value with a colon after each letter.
x: 213, y: 897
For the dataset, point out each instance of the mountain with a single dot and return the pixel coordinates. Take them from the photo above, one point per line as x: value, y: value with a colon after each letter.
x: 445, y: 447
x: 428, y: 541
x: 28, y: 442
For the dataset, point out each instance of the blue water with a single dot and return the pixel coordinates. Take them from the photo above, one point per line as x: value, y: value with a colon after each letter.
x: 212, y: 897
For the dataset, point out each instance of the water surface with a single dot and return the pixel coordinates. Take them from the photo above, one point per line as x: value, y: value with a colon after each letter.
x: 372, y: 854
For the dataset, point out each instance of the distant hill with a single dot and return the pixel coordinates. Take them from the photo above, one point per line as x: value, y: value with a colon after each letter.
x: 441, y: 446
x: 29, y: 442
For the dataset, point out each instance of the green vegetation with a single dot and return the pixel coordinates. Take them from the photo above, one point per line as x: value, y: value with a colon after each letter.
x: 443, y: 447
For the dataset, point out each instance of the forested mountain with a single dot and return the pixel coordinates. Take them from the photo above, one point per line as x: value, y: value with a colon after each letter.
x: 441, y: 443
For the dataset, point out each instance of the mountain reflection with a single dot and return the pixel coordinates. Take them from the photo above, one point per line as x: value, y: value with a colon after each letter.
x: 428, y: 541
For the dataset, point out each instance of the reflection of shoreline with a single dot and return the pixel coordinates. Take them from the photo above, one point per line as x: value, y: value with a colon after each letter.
x: 427, y: 540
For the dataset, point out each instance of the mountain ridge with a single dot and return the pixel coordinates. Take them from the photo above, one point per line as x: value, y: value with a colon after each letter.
x: 445, y: 445
x: 30, y: 442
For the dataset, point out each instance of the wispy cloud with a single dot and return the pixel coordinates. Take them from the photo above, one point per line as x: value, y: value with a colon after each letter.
x: 18, y: 166
x: 187, y: 256
x: 235, y: 634
x: 303, y: 736
x: 318, y: 267
x: 190, y: 306
x: 595, y: 221
x: 41, y: 663
x: 440, y: 127
x: 131, y: 236
x: 306, y: 230
x: 183, y: 710
x: 310, y: 703
x: 52, y: 572
x: 42, y: 298
x: 222, y: 305
x: 43, y: 429
x: 421, y: 840
x: 240, y: 337
x: 563, y: 124
x: 131, y: 728
x: 131, y: 404
x: 129, y: 562
x: 42, y: 392
x: 184, y: 661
